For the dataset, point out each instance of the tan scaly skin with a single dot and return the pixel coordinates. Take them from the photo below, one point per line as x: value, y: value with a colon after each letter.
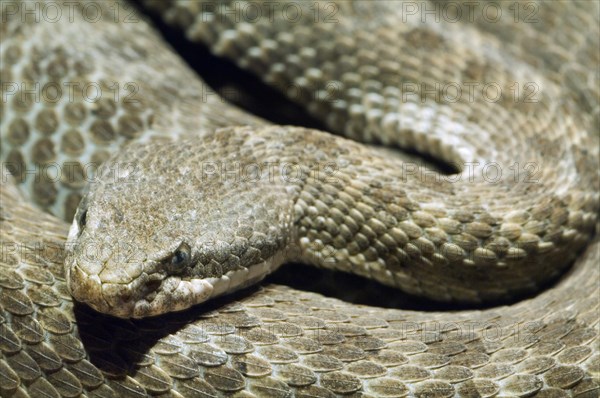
x: 168, y: 230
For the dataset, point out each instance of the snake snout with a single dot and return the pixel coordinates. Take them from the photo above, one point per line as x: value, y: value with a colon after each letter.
x: 122, y: 299
x: 86, y: 288
x: 119, y: 293
x: 113, y: 297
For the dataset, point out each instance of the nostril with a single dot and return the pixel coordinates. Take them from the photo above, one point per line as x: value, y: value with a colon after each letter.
x: 152, y: 285
x: 126, y: 296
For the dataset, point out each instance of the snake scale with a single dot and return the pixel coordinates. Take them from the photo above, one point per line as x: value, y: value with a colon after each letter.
x: 326, y: 200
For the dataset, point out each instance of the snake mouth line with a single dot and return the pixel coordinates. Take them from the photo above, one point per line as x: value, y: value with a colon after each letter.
x: 174, y: 294
x: 146, y: 295
x: 156, y: 293
x: 170, y: 294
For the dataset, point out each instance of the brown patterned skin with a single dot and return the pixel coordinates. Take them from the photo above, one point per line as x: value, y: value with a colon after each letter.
x: 277, y: 341
x: 274, y: 341
x: 483, y: 235
x: 67, y: 106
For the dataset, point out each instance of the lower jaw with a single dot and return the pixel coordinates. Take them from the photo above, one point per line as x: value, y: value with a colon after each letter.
x: 191, y: 292
x: 239, y: 279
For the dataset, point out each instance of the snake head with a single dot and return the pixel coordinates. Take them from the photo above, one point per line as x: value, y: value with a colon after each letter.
x: 158, y: 238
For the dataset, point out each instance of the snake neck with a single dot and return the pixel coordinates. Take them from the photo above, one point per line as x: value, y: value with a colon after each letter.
x: 360, y: 212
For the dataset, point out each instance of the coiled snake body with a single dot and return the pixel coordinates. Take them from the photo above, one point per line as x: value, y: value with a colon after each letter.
x: 191, y: 208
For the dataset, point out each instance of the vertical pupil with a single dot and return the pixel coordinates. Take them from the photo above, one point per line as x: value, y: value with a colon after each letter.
x: 83, y: 218
x: 180, y: 257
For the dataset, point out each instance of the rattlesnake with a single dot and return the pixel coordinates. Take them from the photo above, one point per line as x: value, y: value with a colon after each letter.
x: 365, y: 212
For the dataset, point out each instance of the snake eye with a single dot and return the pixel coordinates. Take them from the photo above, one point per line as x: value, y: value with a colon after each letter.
x: 82, y: 219
x: 181, y: 257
